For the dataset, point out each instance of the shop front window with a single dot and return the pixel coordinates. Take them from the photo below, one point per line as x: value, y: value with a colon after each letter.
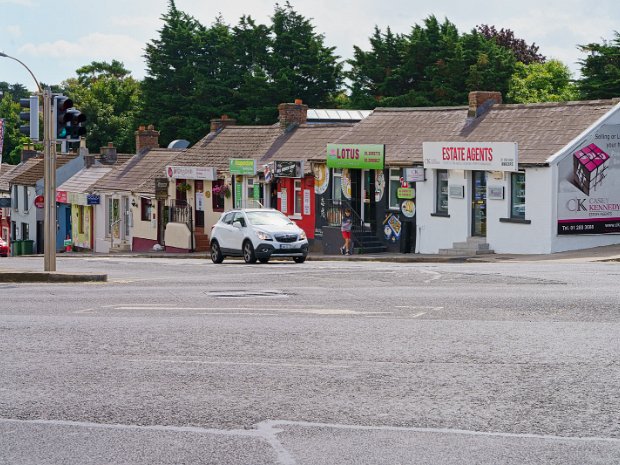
x: 146, y: 207
x: 337, y: 185
x: 441, y: 194
x: 217, y: 195
x: 517, y: 195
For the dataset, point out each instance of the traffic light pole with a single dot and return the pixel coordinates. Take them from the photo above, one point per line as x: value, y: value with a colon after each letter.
x: 49, y: 180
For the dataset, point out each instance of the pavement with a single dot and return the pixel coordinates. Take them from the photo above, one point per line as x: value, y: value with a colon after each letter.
x: 596, y: 254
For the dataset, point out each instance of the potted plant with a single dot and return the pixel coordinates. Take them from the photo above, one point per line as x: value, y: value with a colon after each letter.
x: 184, y: 187
x: 221, y: 190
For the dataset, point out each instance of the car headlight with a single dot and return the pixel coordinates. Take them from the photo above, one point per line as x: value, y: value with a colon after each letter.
x: 302, y: 235
x: 263, y: 236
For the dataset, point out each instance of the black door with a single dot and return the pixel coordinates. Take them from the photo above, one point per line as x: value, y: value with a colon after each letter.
x: 479, y: 204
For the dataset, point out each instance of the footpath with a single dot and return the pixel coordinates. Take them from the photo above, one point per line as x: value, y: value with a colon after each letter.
x: 10, y: 274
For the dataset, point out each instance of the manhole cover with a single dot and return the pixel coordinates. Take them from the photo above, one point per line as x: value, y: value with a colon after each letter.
x: 246, y: 293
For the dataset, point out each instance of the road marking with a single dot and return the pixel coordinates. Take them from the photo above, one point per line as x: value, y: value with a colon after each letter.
x: 419, y: 307
x: 435, y: 275
x: 230, y: 362
x: 85, y: 310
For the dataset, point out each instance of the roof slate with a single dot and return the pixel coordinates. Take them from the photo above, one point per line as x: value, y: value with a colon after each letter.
x: 32, y: 169
x: 6, y: 172
x: 82, y: 181
x: 139, y: 172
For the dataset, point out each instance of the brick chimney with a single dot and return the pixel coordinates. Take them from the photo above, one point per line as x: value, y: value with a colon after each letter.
x: 481, y: 101
x: 108, y: 155
x: 292, y: 113
x: 221, y: 123
x: 146, y: 138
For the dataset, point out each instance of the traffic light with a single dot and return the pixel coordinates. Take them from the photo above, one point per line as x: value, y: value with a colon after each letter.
x: 31, y: 116
x: 75, y: 123
x: 69, y: 120
x: 61, y: 106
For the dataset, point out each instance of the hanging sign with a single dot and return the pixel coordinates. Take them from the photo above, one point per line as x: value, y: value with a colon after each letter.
x: 405, y: 193
x: 370, y: 156
x: 161, y: 188
x: 288, y: 169
x: 414, y: 174
x: 243, y: 166
x: 93, y: 199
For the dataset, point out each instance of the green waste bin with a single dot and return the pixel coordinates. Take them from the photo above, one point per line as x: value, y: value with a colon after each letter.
x: 27, y: 247
x: 17, y: 248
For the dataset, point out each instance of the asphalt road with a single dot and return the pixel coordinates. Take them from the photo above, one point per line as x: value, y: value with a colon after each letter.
x: 177, y: 361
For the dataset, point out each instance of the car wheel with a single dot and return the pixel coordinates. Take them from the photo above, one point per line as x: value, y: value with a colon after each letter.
x: 299, y: 259
x: 248, y: 252
x: 263, y: 260
x: 216, y: 253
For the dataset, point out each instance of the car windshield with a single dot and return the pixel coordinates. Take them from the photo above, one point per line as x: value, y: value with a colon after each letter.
x: 268, y: 217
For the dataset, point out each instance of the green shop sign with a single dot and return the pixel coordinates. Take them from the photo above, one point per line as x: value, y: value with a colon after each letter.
x: 405, y: 193
x: 243, y: 166
x: 366, y: 157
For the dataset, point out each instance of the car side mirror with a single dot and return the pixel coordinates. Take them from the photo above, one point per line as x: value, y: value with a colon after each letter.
x: 237, y: 224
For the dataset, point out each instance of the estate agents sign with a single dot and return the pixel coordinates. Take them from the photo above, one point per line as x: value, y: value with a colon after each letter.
x: 486, y: 156
x: 366, y: 157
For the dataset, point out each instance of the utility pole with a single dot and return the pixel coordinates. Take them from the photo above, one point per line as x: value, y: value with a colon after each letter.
x: 49, y: 179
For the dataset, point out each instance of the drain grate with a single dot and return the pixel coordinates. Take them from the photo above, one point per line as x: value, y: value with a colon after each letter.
x: 246, y: 293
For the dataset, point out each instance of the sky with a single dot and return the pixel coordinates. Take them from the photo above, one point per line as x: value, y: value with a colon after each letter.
x: 55, y: 38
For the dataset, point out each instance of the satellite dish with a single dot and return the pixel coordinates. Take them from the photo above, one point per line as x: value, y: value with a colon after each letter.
x: 178, y: 144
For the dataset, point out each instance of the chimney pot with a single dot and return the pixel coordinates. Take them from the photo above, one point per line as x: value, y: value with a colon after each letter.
x: 220, y: 123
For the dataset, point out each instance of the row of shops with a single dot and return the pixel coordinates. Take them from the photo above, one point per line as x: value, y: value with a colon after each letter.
x: 523, y: 179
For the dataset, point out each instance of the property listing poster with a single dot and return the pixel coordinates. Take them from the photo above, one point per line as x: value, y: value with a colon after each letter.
x: 589, y: 185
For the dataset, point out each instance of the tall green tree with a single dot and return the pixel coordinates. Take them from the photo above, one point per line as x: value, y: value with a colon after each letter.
x: 14, y: 140
x: 172, y: 86
x: 600, y: 69
x: 542, y: 82
x: 376, y: 73
x: 111, y: 99
x: 301, y: 65
x: 433, y: 65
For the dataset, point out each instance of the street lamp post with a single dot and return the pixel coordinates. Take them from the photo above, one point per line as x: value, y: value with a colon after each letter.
x: 49, y: 179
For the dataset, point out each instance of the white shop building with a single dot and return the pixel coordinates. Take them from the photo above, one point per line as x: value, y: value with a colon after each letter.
x: 522, y: 179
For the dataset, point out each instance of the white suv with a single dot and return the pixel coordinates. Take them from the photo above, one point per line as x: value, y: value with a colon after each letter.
x: 257, y: 234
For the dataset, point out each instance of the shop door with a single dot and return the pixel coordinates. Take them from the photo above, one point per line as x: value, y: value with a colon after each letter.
x: 479, y: 204
x: 366, y: 193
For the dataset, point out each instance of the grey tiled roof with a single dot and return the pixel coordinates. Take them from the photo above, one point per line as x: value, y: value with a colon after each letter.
x: 540, y: 130
x: 6, y: 172
x: 139, y: 172
x: 32, y: 170
x: 82, y: 181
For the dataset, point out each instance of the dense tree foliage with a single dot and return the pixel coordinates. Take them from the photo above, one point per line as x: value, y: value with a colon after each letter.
x: 523, y: 52
x: 196, y: 73
x: 9, y: 111
x: 601, y: 69
x: 542, y: 82
x: 110, y: 99
x: 433, y: 65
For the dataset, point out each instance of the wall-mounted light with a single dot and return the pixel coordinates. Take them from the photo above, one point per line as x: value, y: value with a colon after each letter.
x: 133, y: 203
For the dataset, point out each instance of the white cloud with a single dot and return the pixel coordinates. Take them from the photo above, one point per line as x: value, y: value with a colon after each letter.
x: 17, y: 2
x: 92, y: 47
x: 13, y: 30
